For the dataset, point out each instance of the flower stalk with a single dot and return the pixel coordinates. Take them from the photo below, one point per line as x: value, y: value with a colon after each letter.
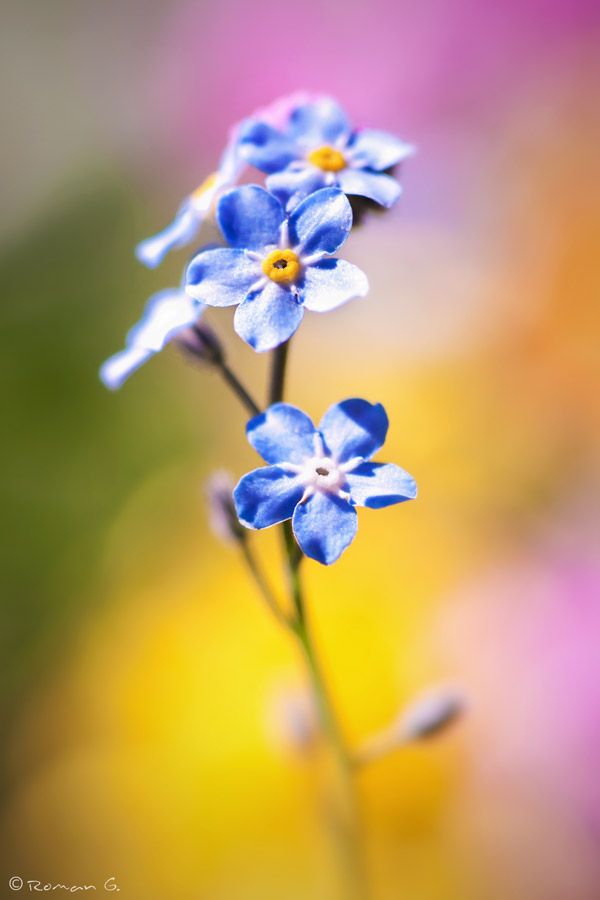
x: 201, y: 343
x: 263, y: 585
x: 346, y: 817
x: 232, y: 381
x: 278, y: 372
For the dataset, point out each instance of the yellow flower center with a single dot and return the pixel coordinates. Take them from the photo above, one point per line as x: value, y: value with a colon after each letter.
x: 206, y: 185
x: 327, y: 158
x: 282, y: 266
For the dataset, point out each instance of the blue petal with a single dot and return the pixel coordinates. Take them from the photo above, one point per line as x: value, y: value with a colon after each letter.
x: 268, y: 317
x: 381, y: 188
x: 221, y: 276
x: 283, y: 433
x: 266, y: 496
x: 166, y: 314
x: 380, y: 484
x: 321, y: 122
x: 322, y: 222
x: 180, y: 232
x: 265, y: 147
x: 354, y: 428
x: 378, y: 150
x: 294, y: 184
x: 331, y: 282
x: 250, y: 217
x: 324, y: 526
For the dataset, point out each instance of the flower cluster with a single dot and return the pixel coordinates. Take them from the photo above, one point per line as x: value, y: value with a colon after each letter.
x: 277, y: 260
x: 276, y: 268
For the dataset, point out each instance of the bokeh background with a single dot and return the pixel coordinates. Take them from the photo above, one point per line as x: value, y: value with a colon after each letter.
x: 143, y: 686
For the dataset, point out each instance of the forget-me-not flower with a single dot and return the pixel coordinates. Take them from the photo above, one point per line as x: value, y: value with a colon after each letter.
x: 317, y: 477
x: 197, y: 205
x: 275, y: 266
x: 167, y: 314
x: 320, y: 148
x: 193, y: 211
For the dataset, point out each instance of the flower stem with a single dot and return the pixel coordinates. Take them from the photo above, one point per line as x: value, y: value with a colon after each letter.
x: 278, y: 370
x: 263, y: 585
x: 200, y: 342
x: 301, y: 630
x: 345, y: 816
x: 345, y: 813
x: 237, y: 387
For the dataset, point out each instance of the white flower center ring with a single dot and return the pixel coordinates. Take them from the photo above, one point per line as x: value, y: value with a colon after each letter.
x: 322, y: 473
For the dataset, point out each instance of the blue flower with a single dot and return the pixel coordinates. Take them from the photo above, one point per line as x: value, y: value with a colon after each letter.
x: 195, y: 208
x: 167, y: 314
x: 319, y: 148
x: 193, y: 211
x: 318, y: 477
x: 276, y: 267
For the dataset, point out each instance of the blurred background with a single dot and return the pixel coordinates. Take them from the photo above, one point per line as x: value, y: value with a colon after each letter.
x: 144, y: 688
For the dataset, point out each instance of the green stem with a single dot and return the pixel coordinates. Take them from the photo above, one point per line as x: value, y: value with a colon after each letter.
x: 263, y: 585
x: 301, y: 630
x: 294, y: 557
x: 346, y: 815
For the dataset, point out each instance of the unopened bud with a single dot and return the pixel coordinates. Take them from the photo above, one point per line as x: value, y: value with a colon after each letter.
x: 426, y: 716
x: 201, y: 342
x: 292, y: 720
x: 221, y: 511
x: 430, y: 714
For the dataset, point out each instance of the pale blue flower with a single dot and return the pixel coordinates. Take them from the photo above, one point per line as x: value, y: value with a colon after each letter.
x: 193, y: 211
x: 317, y: 477
x: 167, y: 314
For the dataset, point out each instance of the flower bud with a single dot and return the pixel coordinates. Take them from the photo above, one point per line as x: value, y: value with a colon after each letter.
x: 221, y: 511
x: 430, y: 714
x: 292, y: 720
x: 425, y: 717
x: 201, y: 342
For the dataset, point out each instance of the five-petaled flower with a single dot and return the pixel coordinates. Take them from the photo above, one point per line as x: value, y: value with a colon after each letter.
x: 317, y: 477
x: 168, y: 313
x: 319, y: 148
x: 275, y: 266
